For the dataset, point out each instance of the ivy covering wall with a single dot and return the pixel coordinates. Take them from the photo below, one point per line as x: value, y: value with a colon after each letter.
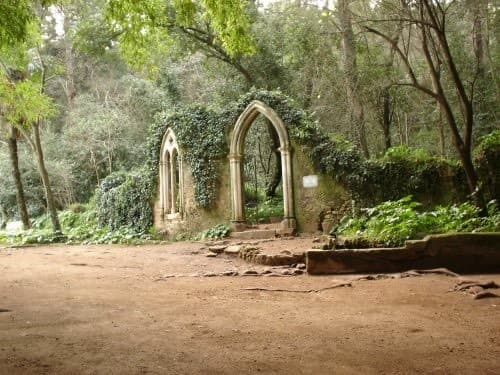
x: 203, y: 135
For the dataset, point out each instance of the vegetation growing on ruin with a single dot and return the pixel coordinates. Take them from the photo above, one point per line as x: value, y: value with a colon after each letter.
x: 391, y: 223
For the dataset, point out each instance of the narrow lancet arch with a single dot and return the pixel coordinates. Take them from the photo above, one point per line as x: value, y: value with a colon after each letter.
x: 171, y: 178
x: 240, y: 130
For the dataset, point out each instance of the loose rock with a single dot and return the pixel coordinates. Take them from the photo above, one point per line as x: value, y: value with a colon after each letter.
x: 249, y: 273
x: 217, y: 249
x: 233, y: 250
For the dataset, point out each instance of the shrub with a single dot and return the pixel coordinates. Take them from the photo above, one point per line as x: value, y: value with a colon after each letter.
x: 392, y: 223
x: 124, y: 200
x: 487, y: 160
x: 216, y: 232
x: 80, y: 227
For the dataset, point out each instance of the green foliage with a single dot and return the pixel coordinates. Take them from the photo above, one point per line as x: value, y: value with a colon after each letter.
x: 489, y: 141
x: 406, y: 153
x: 79, y: 225
x: 487, y: 160
x: 24, y: 102
x: 123, y: 200
x: 216, y: 232
x: 19, y: 14
x: 146, y: 28
x: 393, y: 222
x: 263, y: 211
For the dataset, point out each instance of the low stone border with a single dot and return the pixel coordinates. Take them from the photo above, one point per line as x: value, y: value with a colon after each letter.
x: 253, y: 254
x: 460, y: 252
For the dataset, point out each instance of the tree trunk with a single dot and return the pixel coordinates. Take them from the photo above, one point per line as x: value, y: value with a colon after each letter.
x: 479, y: 9
x: 386, y: 119
x: 56, y: 226
x: 357, y: 115
x: 16, y: 173
x: 442, y: 139
x: 479, y: 13
x: 4, y: 217
x: 276, y: 177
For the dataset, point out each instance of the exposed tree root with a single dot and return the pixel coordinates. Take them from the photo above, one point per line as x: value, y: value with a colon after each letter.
x: 340, y: 285
x: 439, y: 271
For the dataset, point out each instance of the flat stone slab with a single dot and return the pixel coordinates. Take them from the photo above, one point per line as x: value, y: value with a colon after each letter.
x: 285, y: 258
x: 257, y: 234
x: 461, y: 252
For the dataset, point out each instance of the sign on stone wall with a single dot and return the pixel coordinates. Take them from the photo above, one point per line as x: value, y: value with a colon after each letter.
x: 310, y: 181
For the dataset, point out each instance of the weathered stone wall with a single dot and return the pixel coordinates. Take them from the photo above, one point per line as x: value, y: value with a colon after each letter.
x: 313, y: 203
x: 460, y: 252
x: 193, y: 218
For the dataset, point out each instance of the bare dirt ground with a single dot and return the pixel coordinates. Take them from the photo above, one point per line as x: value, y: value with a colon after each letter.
x: 110, y: 310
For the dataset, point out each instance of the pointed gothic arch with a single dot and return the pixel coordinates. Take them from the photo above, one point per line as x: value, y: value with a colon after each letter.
x: 241, y: 127
x: 171, y: 178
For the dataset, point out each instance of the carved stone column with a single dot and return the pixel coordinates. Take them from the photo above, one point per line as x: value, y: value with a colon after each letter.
x: 238, y: 219
x: 289, y: 221
x: 162, y: 189
x: 173, y: 208
x: 166, y: 184
x: 181, y: 185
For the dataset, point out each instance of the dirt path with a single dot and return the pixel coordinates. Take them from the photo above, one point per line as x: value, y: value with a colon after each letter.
x: 99, y: 310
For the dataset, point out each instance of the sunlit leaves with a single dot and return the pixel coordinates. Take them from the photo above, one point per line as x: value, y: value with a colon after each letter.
x: 145, y: 28
x: 23, y: 102
x: 15, y: 15
x: 229, y: 21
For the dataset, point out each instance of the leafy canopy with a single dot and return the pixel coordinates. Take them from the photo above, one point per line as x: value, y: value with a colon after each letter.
x: 19, y: 14
x: 145, y: 28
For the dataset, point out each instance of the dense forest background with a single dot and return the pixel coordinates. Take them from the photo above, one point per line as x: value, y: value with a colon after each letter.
x: 82, y: 82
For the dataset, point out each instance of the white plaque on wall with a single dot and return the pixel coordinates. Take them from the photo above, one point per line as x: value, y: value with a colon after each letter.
x: 310, y: 181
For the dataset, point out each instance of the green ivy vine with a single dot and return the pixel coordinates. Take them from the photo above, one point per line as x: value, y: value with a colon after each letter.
x: 200, y: 133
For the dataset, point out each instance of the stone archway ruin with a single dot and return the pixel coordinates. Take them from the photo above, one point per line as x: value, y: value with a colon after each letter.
x: 241, y: 127
x: 171, y: 178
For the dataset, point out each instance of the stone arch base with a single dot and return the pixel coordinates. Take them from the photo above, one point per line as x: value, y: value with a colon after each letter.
x: 246, y: 119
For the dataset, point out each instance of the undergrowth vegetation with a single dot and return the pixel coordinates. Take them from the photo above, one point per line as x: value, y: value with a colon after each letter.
x: 391, y: 223
x: 80, y: 225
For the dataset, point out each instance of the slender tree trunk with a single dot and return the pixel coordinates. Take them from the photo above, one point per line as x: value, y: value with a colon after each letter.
x: 276, y: 177
x: 4, y: 217
x: 16, y: 173
x: 442, y: 139
x: 479, y: 9
x: 386, y: 118
x: 463, y: 143
x: 479, y: 13
x: 49, y: 196
x: 356, y: 109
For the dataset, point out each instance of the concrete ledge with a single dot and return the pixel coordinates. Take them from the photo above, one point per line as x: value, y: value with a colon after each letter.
x: 461, y: 252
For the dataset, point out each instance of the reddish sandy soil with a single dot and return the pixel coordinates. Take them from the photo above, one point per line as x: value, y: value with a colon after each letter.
x: 110, y: 310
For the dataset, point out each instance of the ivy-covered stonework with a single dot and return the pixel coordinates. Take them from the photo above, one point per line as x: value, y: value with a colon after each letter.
x: 487, y: 159
x: 203, y: 136
x: 368, y: 181
x: 200, y: 133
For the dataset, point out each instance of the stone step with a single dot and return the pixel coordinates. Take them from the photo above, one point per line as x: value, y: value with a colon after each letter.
x: 254, y: 234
